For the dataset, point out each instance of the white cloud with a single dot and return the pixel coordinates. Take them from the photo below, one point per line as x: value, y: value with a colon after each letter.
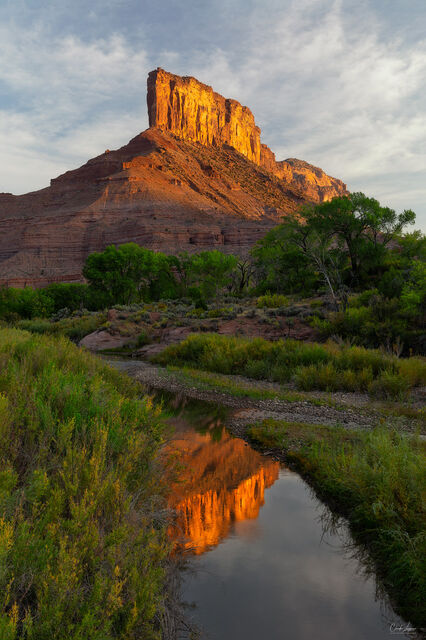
x: 74, y: 100
x: 323, y: 81
x: 326, y: 87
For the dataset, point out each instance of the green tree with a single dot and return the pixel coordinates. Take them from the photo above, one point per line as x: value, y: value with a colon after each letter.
x: 359, y: 226
x: 413, y: 296
x: 69, y: 295
x: 212, y: 271
x: 26, y: 303
x: 280, y: 264
x: 125, y: 274
x: 201, y: 275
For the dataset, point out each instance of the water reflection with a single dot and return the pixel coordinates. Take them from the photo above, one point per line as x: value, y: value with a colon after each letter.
x: 268, y: 562
x: 222, y: 482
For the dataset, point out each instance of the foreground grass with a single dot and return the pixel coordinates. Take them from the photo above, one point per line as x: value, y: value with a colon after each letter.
x: 377, y: 480
x: 310, y: 365
x: 74, y: 327
x: 81, y: 553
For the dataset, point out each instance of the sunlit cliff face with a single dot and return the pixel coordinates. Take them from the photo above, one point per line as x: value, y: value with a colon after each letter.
x: 221, y: 483
x: 192, y: 111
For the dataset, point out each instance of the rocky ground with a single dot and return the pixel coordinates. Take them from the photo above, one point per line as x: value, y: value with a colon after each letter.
x: 145, y: 330
x: 349, y: 410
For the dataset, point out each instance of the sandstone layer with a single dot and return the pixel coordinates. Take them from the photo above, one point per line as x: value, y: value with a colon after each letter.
x: 183, y: 184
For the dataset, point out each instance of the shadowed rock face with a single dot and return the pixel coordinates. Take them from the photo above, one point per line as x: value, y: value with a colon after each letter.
x: 197, y: 179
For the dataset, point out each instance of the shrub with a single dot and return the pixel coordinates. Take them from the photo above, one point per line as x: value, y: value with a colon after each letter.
x: 327, y: 378
x: 272, y: 301
x: 74, y: 327
x: 390, y: 385
x: 82, y: 551
x: 413, y: 370
x: 143, y: 339
x: 313, y: 366
x: 374, y: 321
x: 358, y: 358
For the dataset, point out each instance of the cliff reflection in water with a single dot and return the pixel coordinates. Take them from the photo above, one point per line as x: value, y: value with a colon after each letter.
x: 222, y: 481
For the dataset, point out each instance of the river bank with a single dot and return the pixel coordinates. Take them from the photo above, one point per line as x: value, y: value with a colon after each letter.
x: 252, y: 401
x: 359, y: 457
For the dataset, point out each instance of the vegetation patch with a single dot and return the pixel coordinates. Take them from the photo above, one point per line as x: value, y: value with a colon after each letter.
x: 272, y: 301
x: 74, y: 327
x: 312, y: 366
x: 236, y: 388
x: 377, y: 480
x: 81, y: 545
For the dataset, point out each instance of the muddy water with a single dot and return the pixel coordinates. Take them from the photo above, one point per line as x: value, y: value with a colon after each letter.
x: 265, y: 562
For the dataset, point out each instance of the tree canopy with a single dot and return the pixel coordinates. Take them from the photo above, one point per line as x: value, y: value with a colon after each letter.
x: 343, y: 243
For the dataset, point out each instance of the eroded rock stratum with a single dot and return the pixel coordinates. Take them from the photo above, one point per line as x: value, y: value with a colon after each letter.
x: 199, y: 178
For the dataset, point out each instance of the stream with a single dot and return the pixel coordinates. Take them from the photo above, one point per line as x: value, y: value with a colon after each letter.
x: 266, y: 559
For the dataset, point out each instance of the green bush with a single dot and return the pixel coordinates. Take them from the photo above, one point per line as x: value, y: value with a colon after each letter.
x: 413, y: 370
x: 359, y: 358
x: 25, y: 303
x: 81, y: 550
x: 312, y: 366
x: 327, y: 378
x: 272, y: 301
x: 143, y: 339
x: 375, y: 321
x: 75, y: 327
x: 390, y: 386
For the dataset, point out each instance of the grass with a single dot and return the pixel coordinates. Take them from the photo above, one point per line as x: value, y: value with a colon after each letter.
x: 81, y: 545
x: 377, y: 480
x: 238, y: 389
x: 74, y: 327
x: 311, y: 366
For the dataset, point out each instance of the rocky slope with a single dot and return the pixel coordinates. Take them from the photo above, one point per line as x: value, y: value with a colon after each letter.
x: 198, y: 178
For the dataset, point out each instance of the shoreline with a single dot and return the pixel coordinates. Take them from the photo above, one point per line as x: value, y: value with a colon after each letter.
x: 352, y: 411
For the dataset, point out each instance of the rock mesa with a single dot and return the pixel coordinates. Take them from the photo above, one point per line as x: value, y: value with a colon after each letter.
x: 192, y: 111
x: 199, y: 178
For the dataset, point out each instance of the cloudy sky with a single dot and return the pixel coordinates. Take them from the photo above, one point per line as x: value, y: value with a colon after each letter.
x: 338, y: 83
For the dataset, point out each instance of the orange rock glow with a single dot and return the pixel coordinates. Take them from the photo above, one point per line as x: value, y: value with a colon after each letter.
x: 221, y: 483
x: 194, y: 112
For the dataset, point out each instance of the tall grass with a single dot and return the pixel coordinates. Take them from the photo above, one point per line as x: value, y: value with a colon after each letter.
x: 326, y: 367
x: 74, y: 327
x: 377, y: 480
x: 81, y: 552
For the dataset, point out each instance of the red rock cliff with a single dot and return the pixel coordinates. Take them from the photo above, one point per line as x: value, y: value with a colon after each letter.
x: 192, y: 111
x: 197, y: 179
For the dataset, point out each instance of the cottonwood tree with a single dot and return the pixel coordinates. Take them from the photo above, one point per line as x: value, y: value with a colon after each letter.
x: 123, y: 274
x: 360, y: 226
x: 343, y: 242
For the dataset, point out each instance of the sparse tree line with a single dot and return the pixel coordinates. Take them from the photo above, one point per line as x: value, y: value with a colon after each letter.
x: 346, y: 247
